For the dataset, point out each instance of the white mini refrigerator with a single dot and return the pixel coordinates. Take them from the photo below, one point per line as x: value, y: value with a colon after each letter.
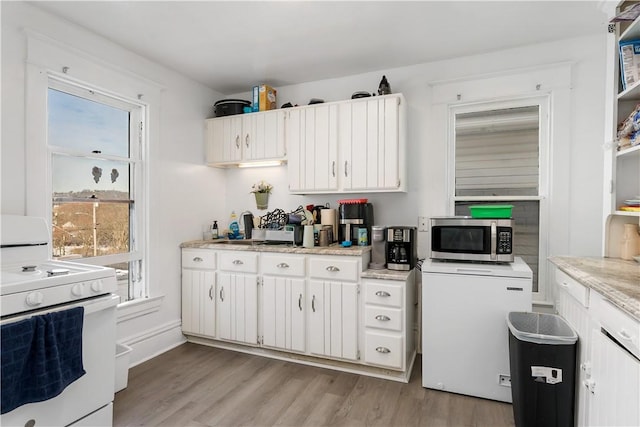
x: 465, y: 338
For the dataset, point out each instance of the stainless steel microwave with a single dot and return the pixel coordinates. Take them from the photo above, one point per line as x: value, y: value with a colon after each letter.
x: 472, y: 239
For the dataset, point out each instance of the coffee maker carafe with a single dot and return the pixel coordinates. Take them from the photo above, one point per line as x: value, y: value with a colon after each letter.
x: 401, y: 248
x: 354, y: 215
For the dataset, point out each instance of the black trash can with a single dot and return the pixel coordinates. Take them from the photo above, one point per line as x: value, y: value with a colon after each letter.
x: 542, y: 358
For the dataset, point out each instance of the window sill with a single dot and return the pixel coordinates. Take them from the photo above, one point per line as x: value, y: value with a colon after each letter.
x: 137, y: 308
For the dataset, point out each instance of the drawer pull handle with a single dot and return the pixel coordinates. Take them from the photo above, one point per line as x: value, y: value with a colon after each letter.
x: 383, y: 350
x: 237, y: 262
x: 383, y: 294
x: 313, y: 303
x: 346, y: 174
x: 246, y: 140
x: 332, y: 268
x: 211, y: 293
x: 222, y: 294
x: 624, y: 335
x: 333, y: 169
x: 383, y: 318
x: 564, y: 284
x: 300, y: 302
x: 283, y: 265
x: 197, y: 259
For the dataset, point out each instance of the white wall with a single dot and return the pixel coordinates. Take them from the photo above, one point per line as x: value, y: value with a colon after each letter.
x: 426, y: 194
x: 184, y: 194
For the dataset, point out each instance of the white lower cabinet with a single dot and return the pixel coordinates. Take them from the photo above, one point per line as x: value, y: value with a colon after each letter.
x: 333, y: 319
x: 198, y: 289
x: 608, y: 365
x: 311, y: 305
x: 388, y: 322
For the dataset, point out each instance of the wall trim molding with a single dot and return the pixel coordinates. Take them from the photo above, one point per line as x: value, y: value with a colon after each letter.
x: 154, y: 342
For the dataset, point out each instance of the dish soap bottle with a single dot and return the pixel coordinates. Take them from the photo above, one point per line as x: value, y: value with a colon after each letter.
x: 214, y: 230
x: 234, y: 228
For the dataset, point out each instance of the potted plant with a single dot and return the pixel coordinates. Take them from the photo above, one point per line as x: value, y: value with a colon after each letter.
x: 261, y: 190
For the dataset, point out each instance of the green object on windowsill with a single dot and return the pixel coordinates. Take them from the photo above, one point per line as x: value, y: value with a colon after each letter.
x: 491, y: 211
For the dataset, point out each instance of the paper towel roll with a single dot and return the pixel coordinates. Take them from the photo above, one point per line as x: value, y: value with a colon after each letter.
x: 330, y: 217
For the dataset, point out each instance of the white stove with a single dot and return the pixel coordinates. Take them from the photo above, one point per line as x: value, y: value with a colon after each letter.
x: 34, y: 285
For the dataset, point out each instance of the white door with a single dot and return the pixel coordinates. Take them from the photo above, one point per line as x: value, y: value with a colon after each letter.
x: 224, y: 137
x: 198, y: 302
x: 333, y: 319
x: 615, y: 384
x: 369, y: 141
x: 264, y: 136
x: 238, y: 307
x: 282, y: 313
x: 312, y: 140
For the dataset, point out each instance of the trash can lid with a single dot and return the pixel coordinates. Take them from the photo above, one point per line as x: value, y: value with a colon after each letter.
x: 541, y: 328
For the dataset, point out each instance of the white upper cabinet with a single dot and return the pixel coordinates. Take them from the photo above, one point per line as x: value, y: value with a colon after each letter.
x: 245, y: 138
x: 348, y: 147
x: 370, y: 144
x: 312, y: 140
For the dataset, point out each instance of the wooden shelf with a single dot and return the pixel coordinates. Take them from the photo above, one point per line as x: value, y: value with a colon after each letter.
x: 635, y: 150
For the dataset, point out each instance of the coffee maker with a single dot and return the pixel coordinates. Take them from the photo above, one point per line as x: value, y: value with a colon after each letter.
x: 354, y: 215
x: 401, y: 248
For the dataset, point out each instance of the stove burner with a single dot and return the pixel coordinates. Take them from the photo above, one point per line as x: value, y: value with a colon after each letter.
x: 57, y: 272
x: 26, y: 268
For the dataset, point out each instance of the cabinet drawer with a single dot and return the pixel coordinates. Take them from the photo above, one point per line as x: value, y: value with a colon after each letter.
x: 625, y: 329
x: 283, y: 265
x: 334, y: 268
x: 572, y: 287
x: 384, y: 349
x: 245, y: 262
x: 383, y: 293
x: 383, y: 318
x: 198, y: 258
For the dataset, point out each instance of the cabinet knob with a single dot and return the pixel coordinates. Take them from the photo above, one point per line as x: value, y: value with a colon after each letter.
x: 383, y: 350
x: 237, y: 262
x: 283, y: 265
x: 333, y: 168
x: 300, y: 302
x: 383, y: 294
x: 211, y: 293
x: 313, y: 303
x: 246, y: 140
x: 222, y: 293
x: 345, y: 168
x: 197, y: 259
x: 237, y: 141
x: 332, y: 268
x: 383, y: 318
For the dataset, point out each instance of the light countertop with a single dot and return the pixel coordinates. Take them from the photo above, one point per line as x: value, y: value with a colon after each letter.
x: 334, y: 249
x: 616, y: 279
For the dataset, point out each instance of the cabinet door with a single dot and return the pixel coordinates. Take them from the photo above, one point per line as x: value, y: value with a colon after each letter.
x: 370, y: 144
x: 614, y: 384
x: 198, y: 302
x: 237, y: 307
x: 282, y: 313
x: 333, y: 319
x: 312, y: 142
x: 224, y: 137
x: 264, y: 136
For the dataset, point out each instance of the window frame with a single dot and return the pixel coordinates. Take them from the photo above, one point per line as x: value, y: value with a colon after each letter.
x: 136, y: 288
x: 543, y: 101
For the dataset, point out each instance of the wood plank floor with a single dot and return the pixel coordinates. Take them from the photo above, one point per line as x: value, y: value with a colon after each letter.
x: 195, y: 385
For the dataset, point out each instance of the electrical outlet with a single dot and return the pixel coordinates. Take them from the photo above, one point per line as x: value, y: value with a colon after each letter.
x: 422, y: 223
x: 504, y: 380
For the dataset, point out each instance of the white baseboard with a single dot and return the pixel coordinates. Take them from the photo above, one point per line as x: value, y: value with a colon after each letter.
x: 154, y: 342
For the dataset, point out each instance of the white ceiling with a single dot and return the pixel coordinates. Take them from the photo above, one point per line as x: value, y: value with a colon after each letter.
x: 233, y: 45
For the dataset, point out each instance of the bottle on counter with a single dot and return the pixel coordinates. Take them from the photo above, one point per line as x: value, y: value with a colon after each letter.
x: 630, y: 245
x: 234, y: 227
x: 214, y: 230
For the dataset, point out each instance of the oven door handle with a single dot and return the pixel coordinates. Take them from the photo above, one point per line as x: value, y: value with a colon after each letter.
x: 91, y: 305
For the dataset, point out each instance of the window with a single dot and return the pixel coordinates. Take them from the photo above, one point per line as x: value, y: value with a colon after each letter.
x: 94, y: 143
x: 499, y: 151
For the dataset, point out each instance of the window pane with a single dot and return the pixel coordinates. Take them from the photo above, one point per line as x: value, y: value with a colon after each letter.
x: 497, y: 152
x: 526, y: 233
x: 88, y: 229
x: 87, y: 126
x: 82, y: 178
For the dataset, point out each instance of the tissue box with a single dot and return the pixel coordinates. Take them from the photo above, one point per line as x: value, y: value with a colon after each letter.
x: 629, y: 63
x: 267, y: 98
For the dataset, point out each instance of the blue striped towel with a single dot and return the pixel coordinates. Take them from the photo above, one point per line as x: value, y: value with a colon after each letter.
x: 41, y: 356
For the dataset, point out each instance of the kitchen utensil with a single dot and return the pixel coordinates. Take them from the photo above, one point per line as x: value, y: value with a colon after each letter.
x: 229, y: 107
